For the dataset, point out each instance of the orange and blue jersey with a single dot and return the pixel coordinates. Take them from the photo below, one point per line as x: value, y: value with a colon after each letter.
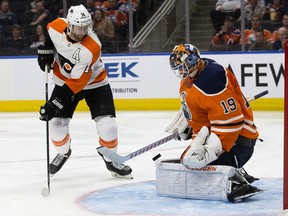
x: 216, y: 101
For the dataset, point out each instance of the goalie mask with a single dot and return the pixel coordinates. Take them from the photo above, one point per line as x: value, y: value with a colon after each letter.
x: 184, y: 61
x: 79, y: 21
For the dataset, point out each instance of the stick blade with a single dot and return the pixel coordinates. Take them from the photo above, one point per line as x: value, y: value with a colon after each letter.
x: 113, y: 156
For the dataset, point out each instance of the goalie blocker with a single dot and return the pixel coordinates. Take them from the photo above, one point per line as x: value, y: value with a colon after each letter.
x: 224, y: 183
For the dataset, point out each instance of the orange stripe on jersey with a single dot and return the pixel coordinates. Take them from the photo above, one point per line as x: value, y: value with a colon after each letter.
x: 58, y: 24
x: 108, y: 144
x: 93, y: 47
x: 61, y: 142
x: 100, y: 77
x: 76, y: 85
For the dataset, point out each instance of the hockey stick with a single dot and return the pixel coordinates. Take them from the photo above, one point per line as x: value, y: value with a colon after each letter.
x: 121, y: 159
x: 46, y: 191
x: 113, y: 156
x: 261, y: 94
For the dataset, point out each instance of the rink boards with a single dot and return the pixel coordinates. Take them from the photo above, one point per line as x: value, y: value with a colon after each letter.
x: 145, y: 82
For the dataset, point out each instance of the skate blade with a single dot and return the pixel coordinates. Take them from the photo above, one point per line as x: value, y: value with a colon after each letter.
x: 240, y: 198
x: 129, y: 176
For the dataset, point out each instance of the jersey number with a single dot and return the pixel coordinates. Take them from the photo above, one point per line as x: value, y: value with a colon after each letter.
x: 229, y: 105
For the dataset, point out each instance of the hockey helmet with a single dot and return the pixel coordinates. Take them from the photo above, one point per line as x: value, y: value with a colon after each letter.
x: 78, y: 16
x: 184, y: 60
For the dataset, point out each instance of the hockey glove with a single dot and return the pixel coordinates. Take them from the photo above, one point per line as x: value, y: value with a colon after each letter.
x: 59, y: 95
x: 184, y: 130
x: 185, y: 134
x: 45, y: 57
x: 48, y: 111
x: 203, y: 149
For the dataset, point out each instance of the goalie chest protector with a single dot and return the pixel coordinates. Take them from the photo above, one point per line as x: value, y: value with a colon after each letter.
x: 175, y: 180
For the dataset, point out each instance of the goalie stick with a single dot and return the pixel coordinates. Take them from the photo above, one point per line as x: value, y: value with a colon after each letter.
x: 113, y: 156
x: 261, y: 94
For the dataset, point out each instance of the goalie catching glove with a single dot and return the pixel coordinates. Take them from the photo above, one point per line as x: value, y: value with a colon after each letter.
x: 49, y: 110
x: 203, y: 150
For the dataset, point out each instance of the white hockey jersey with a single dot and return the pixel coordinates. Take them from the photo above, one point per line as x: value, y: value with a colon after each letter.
x: 77, y: 64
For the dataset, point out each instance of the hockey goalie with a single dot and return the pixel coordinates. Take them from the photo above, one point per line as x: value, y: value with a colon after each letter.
x: 219, y: 121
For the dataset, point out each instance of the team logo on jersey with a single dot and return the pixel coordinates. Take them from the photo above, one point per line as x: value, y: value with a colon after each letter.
x: 186, y: 111
x: 65, y: 64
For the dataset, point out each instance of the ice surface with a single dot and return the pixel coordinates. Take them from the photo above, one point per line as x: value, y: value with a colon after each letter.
x: 84, y: 186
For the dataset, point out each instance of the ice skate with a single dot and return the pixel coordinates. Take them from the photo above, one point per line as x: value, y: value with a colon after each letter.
x: 58, y: 162
x: 118, y: 170
x: 248, y: 177
x: 240, y: 191
x: 239, y: 188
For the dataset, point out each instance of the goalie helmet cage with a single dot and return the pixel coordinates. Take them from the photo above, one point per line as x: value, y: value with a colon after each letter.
x: 285, y: 152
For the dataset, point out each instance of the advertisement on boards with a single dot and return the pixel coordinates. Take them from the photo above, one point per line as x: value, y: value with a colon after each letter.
x: 256, y: 72
x: 147, y: 76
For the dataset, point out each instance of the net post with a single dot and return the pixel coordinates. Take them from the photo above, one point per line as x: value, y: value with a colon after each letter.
x: 285, y: 144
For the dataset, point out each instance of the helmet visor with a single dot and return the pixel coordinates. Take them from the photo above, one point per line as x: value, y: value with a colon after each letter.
x: 181, y: 71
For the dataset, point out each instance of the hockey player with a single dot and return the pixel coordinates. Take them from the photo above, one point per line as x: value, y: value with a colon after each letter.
x: 73, y: 50
x: 217, y: 114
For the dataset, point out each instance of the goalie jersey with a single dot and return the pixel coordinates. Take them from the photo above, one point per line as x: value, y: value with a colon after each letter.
x: 216, y: 101
x: 77, y: 64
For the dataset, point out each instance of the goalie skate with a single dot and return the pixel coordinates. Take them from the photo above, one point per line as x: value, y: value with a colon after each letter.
x: 118, y: 170
x: 240, y: 191
x: 248, y: 177
x: 58, y: 162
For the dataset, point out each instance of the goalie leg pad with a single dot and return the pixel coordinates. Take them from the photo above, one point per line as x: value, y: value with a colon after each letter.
x: 221, y: 182
x: 175, y: 180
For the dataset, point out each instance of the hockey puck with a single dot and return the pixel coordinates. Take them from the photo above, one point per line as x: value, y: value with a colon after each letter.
x: 156, y: 157
x: 45, y: 192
